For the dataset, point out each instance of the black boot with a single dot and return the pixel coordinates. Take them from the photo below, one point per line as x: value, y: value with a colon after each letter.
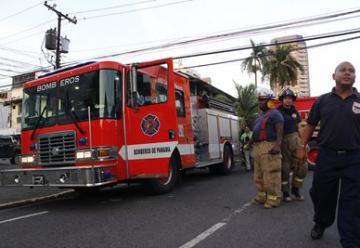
x: 296, y: 194
x: 286, y: 197
x: 317, y: 232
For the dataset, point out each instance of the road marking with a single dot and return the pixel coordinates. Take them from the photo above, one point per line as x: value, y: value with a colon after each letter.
x: 23, y: 217
x: 203, y: 235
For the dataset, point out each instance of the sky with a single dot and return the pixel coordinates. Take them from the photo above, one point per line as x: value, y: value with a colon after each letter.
x: 135, y: 24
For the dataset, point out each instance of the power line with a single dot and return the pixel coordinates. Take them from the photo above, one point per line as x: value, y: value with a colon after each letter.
x: 19, y: 62
x: 226, y: 35
x: 22, y: 38
x: 19, y: 52
x: 227, y: 38
x: 135, y: 10
x: 321, y: 36
x: 112, y: 7
x: 28, y: 29
x: 255, y: 32
x: 309, y: 38
x: 19, y: 12
x: 9, y: 70
x: 10, y: 65
x: 295, y: 49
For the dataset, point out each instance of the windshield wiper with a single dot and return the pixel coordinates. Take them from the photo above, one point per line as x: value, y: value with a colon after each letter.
x: 75, y: 120
x: 38, y: 123
x: 73, y: 115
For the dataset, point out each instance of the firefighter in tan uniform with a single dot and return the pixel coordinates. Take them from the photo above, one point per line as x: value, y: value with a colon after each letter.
x: 266, y: 141
x: 290, y: 144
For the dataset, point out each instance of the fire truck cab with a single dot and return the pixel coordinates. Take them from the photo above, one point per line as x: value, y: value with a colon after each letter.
x: 102, y: 123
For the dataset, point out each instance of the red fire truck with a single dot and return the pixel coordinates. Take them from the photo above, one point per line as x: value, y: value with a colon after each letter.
x: 101, y: 123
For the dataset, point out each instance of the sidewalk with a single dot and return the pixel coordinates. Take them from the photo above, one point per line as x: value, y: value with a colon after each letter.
x: 13, y: 196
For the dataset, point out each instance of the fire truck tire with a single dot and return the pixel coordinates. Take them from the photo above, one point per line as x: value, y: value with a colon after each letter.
x: 84, y: 192
x: 227, y: 165
x: 165, y: 185
x: 12, y: 160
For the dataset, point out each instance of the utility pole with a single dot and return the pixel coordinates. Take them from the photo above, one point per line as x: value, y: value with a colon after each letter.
x: 60, y: 16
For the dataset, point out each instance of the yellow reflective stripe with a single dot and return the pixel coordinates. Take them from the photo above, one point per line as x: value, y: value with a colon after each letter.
x: 261, y: 194
x: 272, y: 197
x: 298, y: 179
x: 285, y: 183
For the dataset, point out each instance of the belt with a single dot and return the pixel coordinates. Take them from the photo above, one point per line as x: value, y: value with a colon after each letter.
x: 341, y: 152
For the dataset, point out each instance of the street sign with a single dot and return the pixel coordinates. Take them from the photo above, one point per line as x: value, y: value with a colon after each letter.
x: 19, y: 80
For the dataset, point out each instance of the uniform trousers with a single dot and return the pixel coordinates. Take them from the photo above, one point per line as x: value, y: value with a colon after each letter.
x: 337, y: 180
x: 267, y: 173
x: 289, y: 146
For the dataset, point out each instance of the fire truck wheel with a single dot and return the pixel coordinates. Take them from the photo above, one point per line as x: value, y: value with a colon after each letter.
x: 227, y: 165
x: 12, y: 160
x: 84, y: 192
x: 165, y: 185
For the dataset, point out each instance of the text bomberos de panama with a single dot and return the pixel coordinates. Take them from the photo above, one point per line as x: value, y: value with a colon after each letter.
x: 62, y: 83
x: 150, y: 150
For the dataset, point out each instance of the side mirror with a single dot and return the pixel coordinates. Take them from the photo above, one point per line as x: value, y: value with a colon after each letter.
x: 133, y: 79
x: 134, y: 94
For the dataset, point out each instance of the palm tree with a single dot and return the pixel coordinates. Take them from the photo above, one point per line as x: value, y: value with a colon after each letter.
x: 255, y: 62
x: 281, y: 67
x: 246, y: 104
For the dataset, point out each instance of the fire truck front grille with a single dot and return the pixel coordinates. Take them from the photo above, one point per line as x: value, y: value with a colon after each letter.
x: 57, y: 148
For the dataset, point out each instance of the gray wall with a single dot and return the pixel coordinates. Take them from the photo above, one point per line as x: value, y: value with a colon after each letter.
x: 4, y: 116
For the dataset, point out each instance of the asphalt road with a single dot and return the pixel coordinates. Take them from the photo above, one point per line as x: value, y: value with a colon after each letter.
x: 203, y: 211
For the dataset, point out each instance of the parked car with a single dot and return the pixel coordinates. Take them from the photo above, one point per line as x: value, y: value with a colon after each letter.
x: 9, y: 147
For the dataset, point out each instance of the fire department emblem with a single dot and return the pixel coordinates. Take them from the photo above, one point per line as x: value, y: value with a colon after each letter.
x: 356, y: 108
x: 150, y: 125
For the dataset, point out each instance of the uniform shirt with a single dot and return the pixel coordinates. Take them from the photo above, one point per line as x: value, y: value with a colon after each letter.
x: 291, y: 119
x: 274, y: 117
x: 339, y: 120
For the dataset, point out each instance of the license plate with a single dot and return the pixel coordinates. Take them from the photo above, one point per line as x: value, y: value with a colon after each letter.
x: 38, y: 180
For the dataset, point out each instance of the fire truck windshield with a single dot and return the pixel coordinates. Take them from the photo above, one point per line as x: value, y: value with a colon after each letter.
x: 67, y: 100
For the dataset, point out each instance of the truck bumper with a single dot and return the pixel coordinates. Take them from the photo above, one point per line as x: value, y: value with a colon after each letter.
x: 88, y: 176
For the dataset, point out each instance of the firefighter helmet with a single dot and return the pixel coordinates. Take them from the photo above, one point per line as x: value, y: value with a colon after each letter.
x: 287, y: 92
x: 264, y: 93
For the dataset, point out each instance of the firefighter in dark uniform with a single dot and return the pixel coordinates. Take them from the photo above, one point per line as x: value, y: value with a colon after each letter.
x: 290, y: 144
x: 338, y: 163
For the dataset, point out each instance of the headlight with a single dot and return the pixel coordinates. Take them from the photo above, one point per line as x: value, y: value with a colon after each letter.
x: 97, y: 153
x: 27, y: 159
x: 83, y: 154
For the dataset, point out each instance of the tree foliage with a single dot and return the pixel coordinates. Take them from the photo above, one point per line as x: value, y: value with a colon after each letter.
x: 246, y: 104
x: 256, y: 61
x: 281, y: 67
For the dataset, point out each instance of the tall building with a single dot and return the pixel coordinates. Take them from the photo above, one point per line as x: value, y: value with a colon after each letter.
x: 300, y: 53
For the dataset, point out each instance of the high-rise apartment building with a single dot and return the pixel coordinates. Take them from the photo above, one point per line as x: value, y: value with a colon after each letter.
x: 302, y: 85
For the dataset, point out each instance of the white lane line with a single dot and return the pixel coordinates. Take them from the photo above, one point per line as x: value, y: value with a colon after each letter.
x: 23, y: 217
x: 215, y: 227
x: 203, y: 235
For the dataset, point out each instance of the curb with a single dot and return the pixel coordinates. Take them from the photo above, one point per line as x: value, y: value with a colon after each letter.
x: 33, y: 200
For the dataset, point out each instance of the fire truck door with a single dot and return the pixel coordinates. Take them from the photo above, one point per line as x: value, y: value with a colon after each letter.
x: 152, y: 132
